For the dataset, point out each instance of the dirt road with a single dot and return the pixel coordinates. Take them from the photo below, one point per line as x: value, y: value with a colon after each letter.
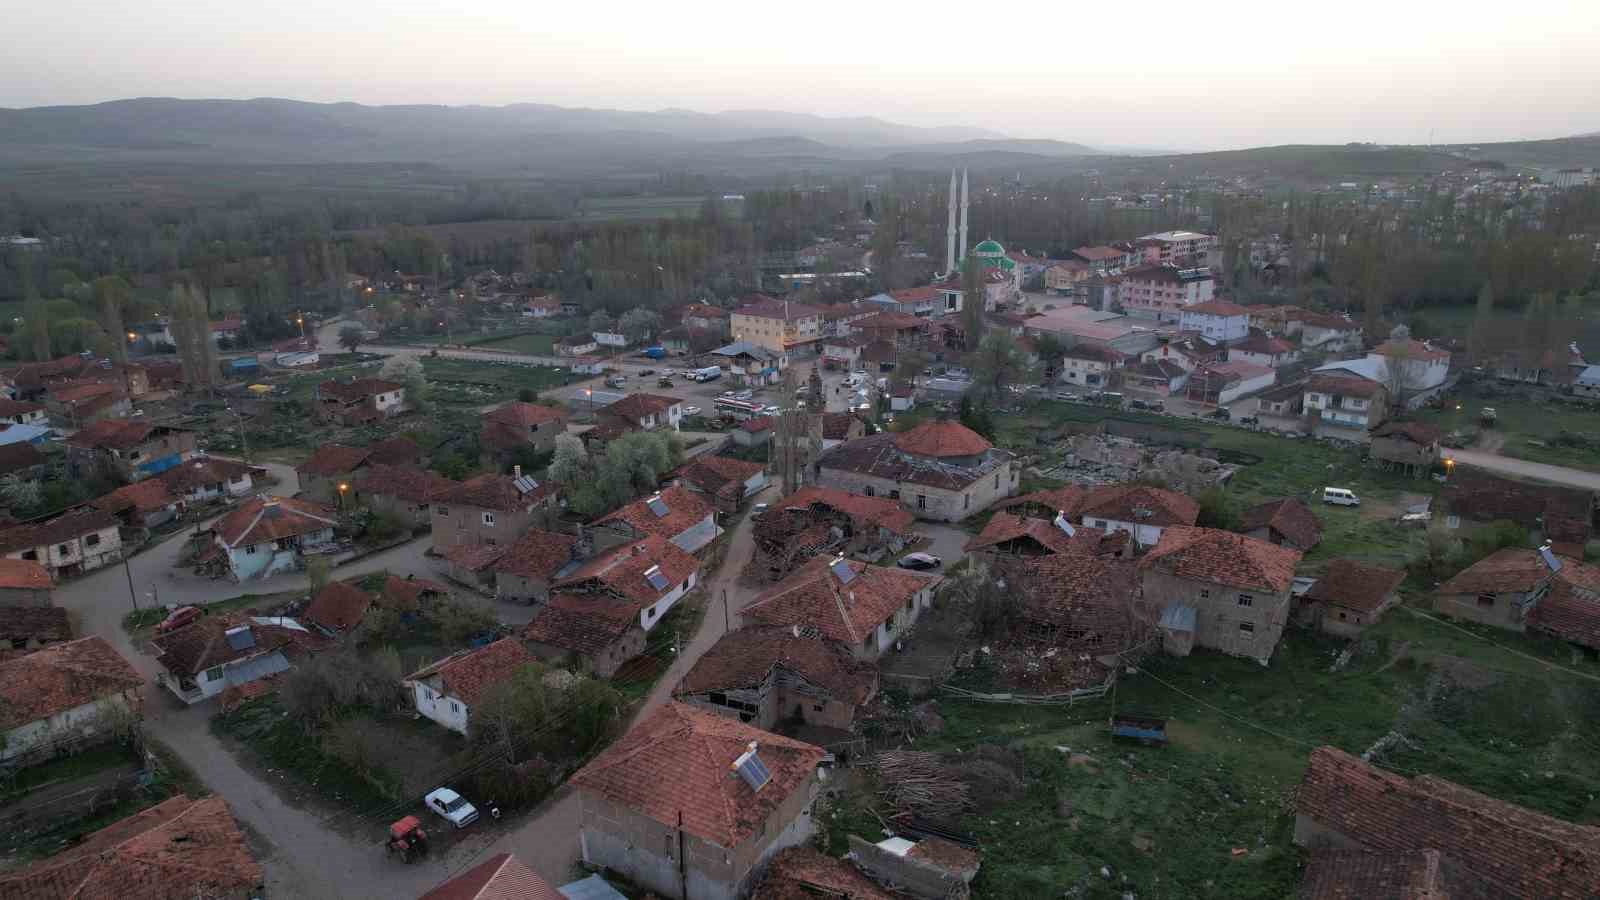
x: 1521, y: 468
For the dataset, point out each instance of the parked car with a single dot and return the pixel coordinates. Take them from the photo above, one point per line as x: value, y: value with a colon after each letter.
x: 178, y: 618
x: 920, y: 561
x: 1220, y: 412
x: 643, y: 372
x: 691, y: 410
x: 1150, y: 405
x: 616, y: 381
x: 453, y: 807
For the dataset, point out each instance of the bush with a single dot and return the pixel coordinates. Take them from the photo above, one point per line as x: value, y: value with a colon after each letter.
x: 315, y: 692
x: 457, y: 622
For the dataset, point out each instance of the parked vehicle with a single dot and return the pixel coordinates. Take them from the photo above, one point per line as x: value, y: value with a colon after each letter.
x: 709, y: 373
x: 1340, y: 496
x: 452, y: 806
x: 407, y: 838
x: 617, y: 381
x: 691, y: 410
x: 1147, y: 730
x: 645, y: 372
x: 664, y: 381
x: 1149, y: 405
x: 1220, y: 412
x: 656, y: 352
x: 920, y: 561
x: 183, y: 615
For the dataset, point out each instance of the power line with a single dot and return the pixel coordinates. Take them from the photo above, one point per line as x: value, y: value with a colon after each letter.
x: 1512, y: 650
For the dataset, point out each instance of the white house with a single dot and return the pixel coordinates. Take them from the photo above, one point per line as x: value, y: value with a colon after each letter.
x: 1142, y: 512
x: 1412, y: 366
x: 18, y: 412
x: 69, y: 544
x: 1218, y: 320
x: 1328, y: 333
x: 1089, y: 365
x: 447, y: 690
x: 1587, y: 384
x: 71, y: 691
x: 676, y: 514
x: 1263, y: 349
x: 267, y: 535
x: 644, y: 411
x: 214, y: 653
x: 207, y: 478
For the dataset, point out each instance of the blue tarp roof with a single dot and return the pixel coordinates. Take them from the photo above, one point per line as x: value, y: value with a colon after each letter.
x: 592, y: 888
x: 1177, y: 617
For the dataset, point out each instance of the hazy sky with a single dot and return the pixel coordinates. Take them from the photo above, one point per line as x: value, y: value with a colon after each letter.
x: 1155, y: 74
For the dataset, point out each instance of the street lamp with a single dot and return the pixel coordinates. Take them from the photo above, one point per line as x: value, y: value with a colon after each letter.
x: 343, y: 487
x: 589, y: 392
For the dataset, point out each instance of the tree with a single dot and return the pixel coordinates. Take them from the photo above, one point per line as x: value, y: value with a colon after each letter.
x: 996, y: 366
x: 638, y: 324
x: 1479, y: 339
x: 600, y: 322
x: 110, y: 294
x: 976, y: 416
x: 409, y: 372
x: 1051, y: 350
x: 972, y: 302
x: 816, y: 401
x: 191, y: 334
x: 350, y: 337
x: 36, y: 329
x: 318, y: 571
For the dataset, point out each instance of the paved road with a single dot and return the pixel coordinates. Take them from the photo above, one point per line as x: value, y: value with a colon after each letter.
x: 1578, y: 478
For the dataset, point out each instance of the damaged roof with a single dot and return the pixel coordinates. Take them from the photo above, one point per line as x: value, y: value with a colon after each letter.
x: 744, y: 658
x: 814, y: 596
x: 1222, y: 557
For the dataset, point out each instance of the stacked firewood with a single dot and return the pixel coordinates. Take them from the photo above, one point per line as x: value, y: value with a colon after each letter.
x: 914, y: 783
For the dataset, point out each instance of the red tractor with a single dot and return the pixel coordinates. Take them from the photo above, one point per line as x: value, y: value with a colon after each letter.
x: 407, y: 838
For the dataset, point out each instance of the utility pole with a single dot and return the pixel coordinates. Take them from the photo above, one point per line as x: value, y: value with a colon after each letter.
x: 133, y: 596
x: 725, y: 625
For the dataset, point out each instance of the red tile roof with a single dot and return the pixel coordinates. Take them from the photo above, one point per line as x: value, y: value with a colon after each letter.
x: 1571, y: 609
x: 942, y: 439
x: 474, y: 557
x: 1140, y: 504
x: 333, y: 459
x: 1513, y: 850
x: 685, y: 509
x: 1350, y: 385
x: 20, y: 455
x: 525, y: 414
x: 1081, y: 590
x: 688, y: 755
x: 65, y: 527
x: 178, y: 849
x: 813, y: 596
x: 143, y: 496
x: 621, y: 569
x: 722, y: 477
x: 1416, y: 432
x: 1003, y: 527
x: 199, y: 646
x: 112, y: 434
x: 1065, y: 499
x: 468, y: 675
x: 393, y: 451
x: 269, y: 519
x: 798, y: 872
x: 537, y: 554
x: 837, y: 426
x: 637, y: 406
x: 202, y: 471
x: 1365, y: 875
x: 581, y: 624
x: 1287, y: 516
x: 1508, y: 570
x: 500, y: 877
x: 410, y: 483
x: 1222, y: 557
x: 22, y: 624
x: 356, y: 390
x: 406, y: 593
x: 769, y: 308
x: 756, y: 424
x: 864, y: 512
x: 1410, y: 349
x: 61, y: 677
x: 23, y: 574
x: 1217, y: 308
x: 1260, y: 342
x: 498, y: 492
x: 745, y: 657
x: 1354, y: 585
x: 338, y: 606
x: 10, y: 407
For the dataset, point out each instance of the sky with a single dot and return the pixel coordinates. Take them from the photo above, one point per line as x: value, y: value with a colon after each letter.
x: 1155, y: 74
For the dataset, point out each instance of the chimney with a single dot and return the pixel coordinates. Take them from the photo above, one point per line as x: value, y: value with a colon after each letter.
x: 516, y: 471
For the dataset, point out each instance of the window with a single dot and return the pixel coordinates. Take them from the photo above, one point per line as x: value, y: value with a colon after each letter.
x: 250, y: 550
x: 922, y: 501
x: 1341, y: 615
x: 816, y: 707
x: 92, y: 540
x: 1246, y: 600
x: 488, y: 519
x: 214, y: 673
x: 443, y: 511
x: 31, y: 554
x: 651, y: 614
x: 1247, y: 628
x: 1486, y: 600
x: 997, y: 481
x: 894, y: 494
x: 63, y: 549
x: 455, y: 707
x: 870, y: 492
x: 1205, y: 594
x: 966, y: 501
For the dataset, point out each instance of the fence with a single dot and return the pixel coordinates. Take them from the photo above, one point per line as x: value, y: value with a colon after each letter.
x: 1065, y: 699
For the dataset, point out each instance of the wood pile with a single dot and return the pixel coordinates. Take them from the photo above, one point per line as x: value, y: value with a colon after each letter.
x: 914, y: 783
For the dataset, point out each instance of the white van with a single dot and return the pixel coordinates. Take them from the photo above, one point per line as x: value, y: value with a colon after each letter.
x: 1340, y: 496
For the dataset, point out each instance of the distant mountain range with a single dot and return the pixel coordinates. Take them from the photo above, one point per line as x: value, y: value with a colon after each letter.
x: 530, y: 140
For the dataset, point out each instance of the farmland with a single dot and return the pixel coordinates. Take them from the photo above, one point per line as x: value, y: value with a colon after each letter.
x: 536, y: 344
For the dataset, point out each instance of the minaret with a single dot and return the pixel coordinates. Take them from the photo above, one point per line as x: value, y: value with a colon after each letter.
x: 950, y: 232
x: 963, y: 215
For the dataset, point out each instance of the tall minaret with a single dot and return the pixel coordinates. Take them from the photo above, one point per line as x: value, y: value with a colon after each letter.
x: 963, y: 215
x: 950, y: 232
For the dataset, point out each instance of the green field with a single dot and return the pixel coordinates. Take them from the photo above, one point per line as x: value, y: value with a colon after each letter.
x: 537, y: 344
x: 1170, y: 820
x: 1529, y: 424
x: 491, y: 382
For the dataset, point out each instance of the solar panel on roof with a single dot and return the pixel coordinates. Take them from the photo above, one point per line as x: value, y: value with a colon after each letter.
x: 752, y: 770
x: 658, y: 506
x: 656, y: 579
x: 842, y: 571
x: 526, y: 485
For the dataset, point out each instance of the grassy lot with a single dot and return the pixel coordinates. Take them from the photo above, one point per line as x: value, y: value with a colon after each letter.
x: 1530, y: 424
x: 538, y: 344
x: 1169, y: 819
x: 67, y: 768
x: 498, y: 381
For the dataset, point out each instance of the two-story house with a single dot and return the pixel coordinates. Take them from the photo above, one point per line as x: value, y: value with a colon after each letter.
x: 527, y: 568
x: 1141, y: 511
x: 1089, y: 365
x: 765, y: 674
x: 705, y: 318
x: 1262, y: 349
x: 864, y: 607
x: 328, y: 474
x: 602, y: 612
x: 679, y: 515
x: 360, y: 401
x: 405, y: 492
x: 488, y: 509
x: 1327, y: 334
x: 447, y: 690
x: 646, y: 412
x: 203, y: 479
x: 69, y: 544
x: 1219, y: 321
x: 938, y: 470
x: 1344, y: 405
x: 691, y: 804
x: 1217, y: 589
x: 515, y: 426
x: 778, y: 325
x: 1412, y: 370
x: 130, y: 449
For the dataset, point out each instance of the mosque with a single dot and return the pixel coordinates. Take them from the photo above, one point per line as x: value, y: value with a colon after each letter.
x: 989, y: 253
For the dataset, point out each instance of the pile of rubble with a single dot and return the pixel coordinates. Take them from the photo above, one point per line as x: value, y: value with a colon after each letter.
x: 1093, y: 460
